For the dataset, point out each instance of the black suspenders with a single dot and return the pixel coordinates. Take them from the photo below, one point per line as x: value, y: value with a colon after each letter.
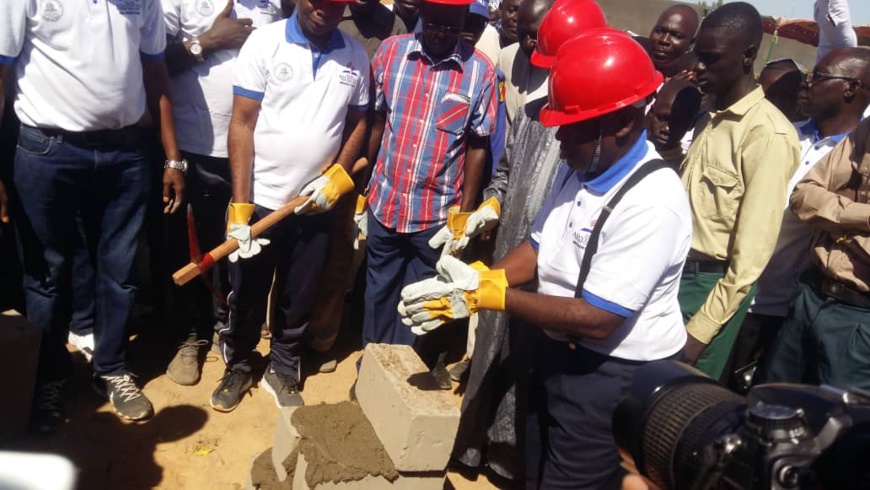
x: 592, y: 245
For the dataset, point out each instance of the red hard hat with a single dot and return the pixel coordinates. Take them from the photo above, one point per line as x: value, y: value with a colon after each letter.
x: 596, y: 73
x: 565, y: 20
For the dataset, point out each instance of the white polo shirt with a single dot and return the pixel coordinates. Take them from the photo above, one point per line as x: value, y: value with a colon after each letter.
x: 78, y: 62
x: 778, y: 284
x: 202, y: 95
x: 641, y: 250
x: 305, y: 96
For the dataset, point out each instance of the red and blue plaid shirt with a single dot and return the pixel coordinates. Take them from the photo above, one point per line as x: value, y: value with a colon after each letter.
x: 430, y: 109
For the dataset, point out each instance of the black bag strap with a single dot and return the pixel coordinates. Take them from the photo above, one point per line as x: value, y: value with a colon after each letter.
x: 592, y: 245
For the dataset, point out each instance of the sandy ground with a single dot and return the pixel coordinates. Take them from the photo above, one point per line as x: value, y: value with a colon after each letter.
x: 187, y: 444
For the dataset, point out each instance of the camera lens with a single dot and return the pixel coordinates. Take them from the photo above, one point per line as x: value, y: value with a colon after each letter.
x: 671, y: 412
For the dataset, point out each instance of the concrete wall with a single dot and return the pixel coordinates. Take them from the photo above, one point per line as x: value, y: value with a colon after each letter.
x: 640, y: 15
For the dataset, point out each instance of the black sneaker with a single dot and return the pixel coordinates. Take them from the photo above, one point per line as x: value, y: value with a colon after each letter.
x: 229, y: 392
x: 127, y: 399
x: 285, y: 389
x: 47, y: 414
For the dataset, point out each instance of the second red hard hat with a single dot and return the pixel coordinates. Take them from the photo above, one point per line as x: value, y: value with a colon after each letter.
x: 596, y: 73
x: 565, y: 20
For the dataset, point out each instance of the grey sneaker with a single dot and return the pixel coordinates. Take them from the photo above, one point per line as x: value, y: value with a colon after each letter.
x: 232, y: 388
x: 285, y: 389
x: 127, y: 399
x: 47, y: 413
x: 186, y: 366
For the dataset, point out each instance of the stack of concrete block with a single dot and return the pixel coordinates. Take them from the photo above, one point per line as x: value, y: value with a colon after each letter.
x: 19, y: 354
x: 415, y: 422
x: 414, y: 419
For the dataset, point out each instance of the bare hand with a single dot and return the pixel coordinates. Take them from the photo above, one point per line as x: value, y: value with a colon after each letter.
x: 488, y: 235
x: 4, y: 205
x: 226, y: 32
x: 693, y: 350
x: 172, y: 179
x: 634, y: 482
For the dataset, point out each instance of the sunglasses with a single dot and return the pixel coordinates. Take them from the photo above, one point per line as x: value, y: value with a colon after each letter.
x: 819, y: 77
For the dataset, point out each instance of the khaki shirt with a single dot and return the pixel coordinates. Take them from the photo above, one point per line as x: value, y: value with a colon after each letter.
x: 834, y: 198
x: 736, y: 173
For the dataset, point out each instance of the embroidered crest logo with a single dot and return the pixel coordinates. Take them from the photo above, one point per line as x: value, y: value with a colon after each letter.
x: 52, y: 10
x: 204, y: 7
x: 282, y: 72
x: 348, y: 77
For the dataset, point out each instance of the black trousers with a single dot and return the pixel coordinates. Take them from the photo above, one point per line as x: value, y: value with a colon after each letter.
x: 581, y: 390
x: 295, y: 258
x: 208, y: 190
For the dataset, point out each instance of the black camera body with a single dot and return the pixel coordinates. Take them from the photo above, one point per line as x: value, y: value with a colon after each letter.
x: 684, y: 431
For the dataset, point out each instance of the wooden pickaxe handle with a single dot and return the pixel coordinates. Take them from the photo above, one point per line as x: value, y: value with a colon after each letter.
x: 190, y: 271
x: 187, y: 273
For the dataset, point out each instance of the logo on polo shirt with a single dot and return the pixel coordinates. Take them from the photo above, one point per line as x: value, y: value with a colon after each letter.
x: 581, y: 238
x: 129, y: 7
x: 349, y: 77
x: 204, y: 7
x: 282, y: 72
x: 52, y: 10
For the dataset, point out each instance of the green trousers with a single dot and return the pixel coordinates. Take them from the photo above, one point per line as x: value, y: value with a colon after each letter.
x: 694, y: 289
x: 823, y: 340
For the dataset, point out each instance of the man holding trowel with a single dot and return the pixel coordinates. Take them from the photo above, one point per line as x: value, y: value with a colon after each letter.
x: 301, y: 93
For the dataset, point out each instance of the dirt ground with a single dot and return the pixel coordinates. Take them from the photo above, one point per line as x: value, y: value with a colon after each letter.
x: 187, y: 445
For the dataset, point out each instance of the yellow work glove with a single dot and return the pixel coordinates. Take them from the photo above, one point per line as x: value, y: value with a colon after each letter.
x: 238, y: 216
x: 453, y: 231
x: 360, y: 220
x: 458, y: 291
x: 325, y: 190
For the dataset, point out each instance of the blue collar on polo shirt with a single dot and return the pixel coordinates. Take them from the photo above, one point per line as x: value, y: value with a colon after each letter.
x: 811, y: 129
x: 456, y: 56
x: 293, y: 34
x: 614, y: 174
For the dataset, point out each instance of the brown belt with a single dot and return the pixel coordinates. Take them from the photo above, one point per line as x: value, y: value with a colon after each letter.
x: 842, y: 292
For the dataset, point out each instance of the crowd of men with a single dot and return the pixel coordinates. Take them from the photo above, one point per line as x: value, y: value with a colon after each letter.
x: 451, y: 146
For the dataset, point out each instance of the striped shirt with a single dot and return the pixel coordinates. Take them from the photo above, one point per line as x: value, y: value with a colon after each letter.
x: 430, y: 108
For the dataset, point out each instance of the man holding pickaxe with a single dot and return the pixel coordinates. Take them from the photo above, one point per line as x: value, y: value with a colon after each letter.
x: 301, y: 94
x: 204, y: 39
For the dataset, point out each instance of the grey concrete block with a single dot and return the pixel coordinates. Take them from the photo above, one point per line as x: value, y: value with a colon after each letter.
x: 415, y: 421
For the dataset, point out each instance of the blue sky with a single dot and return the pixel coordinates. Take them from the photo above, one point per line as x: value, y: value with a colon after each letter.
x: 803, y: 9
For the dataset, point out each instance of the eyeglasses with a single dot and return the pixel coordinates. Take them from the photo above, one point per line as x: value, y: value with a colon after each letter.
x: 446, y: 30
x: 819, y: 77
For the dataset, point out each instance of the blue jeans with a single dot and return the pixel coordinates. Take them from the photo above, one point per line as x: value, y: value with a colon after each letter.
x: 394, y: 261
x: 106, y: 185
x: 83, y: 307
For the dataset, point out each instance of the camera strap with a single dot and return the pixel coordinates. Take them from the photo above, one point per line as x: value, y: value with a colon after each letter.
x: 592, y: 245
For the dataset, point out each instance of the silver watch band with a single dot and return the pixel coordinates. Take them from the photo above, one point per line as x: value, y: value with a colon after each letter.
x: 177, y: 165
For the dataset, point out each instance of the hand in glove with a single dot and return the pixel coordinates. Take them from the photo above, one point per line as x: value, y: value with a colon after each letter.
x: 325, y: 190
x: 361, y: 220
x: 458, y: 291
x: 452, y: 232
x: 238, y: 215
x: 455, y: 236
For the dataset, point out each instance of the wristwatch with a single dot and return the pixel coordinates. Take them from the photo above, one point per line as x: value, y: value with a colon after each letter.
x: 182, y: 165
x: 196, y: 49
